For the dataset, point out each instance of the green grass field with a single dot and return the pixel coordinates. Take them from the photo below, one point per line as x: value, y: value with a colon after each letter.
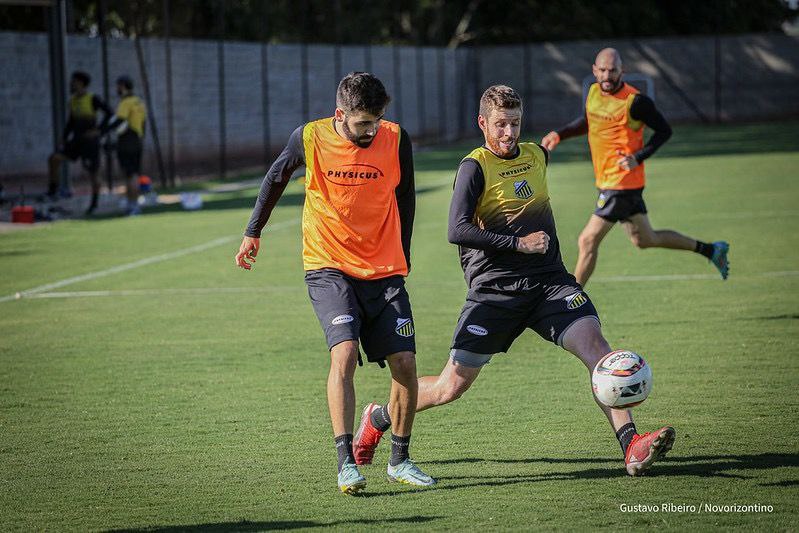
x: 188, y: 394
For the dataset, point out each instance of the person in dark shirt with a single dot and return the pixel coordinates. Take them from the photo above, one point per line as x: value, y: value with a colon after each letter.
x: 501, y: 219
x: 81, y: 136
x: 614, y: 119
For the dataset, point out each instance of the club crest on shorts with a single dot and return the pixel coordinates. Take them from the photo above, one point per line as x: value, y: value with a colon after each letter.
x: 404, y: 327
x: 522, y: 189
x: 602, y: 200
x: 576, y: 300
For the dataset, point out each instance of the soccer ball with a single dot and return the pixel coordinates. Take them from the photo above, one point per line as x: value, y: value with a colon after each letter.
x: 621, y: 379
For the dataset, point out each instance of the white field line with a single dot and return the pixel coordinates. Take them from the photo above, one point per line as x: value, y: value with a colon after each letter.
x: 137, y: 264
x: 28, y: 293
x: 275, y: 288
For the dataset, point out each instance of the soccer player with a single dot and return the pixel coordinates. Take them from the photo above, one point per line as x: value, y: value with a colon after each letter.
x: 614, y: 119
x: 80, y: 138
x: 501, y: 219
x: 356, y: 225
x: 128, y: 124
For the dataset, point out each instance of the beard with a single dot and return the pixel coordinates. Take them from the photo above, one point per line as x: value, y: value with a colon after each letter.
x: 362, y: 141
x: 610, y: 86
x: 502, y: 148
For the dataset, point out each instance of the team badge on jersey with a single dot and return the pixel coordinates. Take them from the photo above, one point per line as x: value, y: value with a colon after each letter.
x: 522, y: 189
x: 576, y: 300
x: 404, y: 327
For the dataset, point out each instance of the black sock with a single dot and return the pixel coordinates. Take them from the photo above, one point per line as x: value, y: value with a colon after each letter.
x: 399, y: 449
x: 625, y: 435
x: 380, y: 418
x: 344, y: 449
x: 704, y: 249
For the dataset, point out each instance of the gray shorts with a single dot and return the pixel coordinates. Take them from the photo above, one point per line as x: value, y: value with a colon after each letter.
x: 376, y: 312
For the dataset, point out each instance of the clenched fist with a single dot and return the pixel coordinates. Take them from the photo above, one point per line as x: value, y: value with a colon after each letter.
x: 534, y: 243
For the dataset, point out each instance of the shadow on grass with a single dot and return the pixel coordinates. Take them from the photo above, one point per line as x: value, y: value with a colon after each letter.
x: 246, y: 526
x: 699, y: 466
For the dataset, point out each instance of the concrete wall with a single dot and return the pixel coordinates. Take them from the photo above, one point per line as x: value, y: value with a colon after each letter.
x: 434, y: 90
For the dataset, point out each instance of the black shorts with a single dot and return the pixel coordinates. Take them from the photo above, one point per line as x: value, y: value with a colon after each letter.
x: 87, y: 150
x: 129, y: 149
x: 615, y: 206
x: 378, y: 312
x: 548, y: 304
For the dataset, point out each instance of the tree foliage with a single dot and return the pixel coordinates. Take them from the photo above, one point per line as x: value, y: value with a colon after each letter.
x: 421, y: 22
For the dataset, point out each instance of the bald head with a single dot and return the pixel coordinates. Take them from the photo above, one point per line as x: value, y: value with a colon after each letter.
x: 608, y: 56
x: 607, y: 70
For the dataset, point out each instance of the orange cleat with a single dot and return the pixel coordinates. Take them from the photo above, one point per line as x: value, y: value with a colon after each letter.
x: 366, y: 438
x: 647, y: 448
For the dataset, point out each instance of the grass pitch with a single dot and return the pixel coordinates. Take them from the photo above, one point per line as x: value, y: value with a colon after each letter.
x: 188, y: 394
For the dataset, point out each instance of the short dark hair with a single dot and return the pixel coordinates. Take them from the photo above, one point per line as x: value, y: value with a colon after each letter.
x: 362, y: 91
x: 499, y: 97
x: 126, y: 82
x: 82, y: 77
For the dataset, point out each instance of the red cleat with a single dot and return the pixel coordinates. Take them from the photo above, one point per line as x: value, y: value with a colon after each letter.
x: 366, y: 438
x: 647, y: 448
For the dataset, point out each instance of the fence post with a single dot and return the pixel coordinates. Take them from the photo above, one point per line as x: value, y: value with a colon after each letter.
x: 397, y: 83
x: 57, y: 41
x: 442, y: 99
x: 102, y: 9
x: 170, y: 115
x: 220, y: 47
x: 420, y: 103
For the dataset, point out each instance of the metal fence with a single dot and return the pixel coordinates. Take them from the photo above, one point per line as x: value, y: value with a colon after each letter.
x: 216, y: 106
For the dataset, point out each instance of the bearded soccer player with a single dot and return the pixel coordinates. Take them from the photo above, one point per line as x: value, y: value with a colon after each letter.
x: 501, y: 219
x: 614, y: 119
x: 356, y: 226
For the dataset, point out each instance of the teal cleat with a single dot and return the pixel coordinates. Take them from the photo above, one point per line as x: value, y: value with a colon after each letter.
x: 407, y: 472
x: 719, y: 259
x: 350, y: 480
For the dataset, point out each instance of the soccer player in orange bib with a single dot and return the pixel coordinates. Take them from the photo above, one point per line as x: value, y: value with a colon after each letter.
x: 614, y: 119
x: 356, y: 226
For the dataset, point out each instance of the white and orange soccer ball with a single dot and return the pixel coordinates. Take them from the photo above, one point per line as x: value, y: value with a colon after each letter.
x: 622, y: 379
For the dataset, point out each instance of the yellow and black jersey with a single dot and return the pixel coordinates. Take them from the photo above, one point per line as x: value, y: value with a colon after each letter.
x: 83, y: 110
x: 496, y: 201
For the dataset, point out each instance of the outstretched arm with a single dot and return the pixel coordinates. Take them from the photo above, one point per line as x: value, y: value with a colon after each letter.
x: 576, y: 127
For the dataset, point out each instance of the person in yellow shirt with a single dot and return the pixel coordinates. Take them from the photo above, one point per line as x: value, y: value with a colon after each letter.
x: 614, y: 119
x: 81, y: 137
x: 128, y: 124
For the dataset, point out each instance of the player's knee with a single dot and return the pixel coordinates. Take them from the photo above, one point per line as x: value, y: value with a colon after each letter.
x: 453, y: 391
x: 403, y: 367
x: 642, y: 240
x: 344, y: 359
